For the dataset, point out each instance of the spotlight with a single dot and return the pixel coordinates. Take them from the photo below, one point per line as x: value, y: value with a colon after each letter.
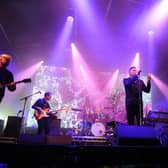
x: 150, y: 32
x: 41, y: 61
x: 70, y: 19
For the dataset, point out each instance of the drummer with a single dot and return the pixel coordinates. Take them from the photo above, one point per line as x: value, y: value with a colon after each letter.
x: 98, y: 115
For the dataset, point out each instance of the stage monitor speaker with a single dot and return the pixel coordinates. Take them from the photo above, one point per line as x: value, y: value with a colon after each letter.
x: 13, y: 126
x: 59, y: 140
x: 136, y: 135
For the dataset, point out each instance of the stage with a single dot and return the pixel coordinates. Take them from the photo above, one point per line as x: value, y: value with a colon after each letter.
x: 33, y: 150
x: 121, y: 145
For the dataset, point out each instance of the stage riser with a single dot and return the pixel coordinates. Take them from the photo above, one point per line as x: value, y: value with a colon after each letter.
x: 31, y: 139
x: 9, y: 140
x: 62, y: 140
x: 59, y: 140
x: 92, y: 140
x: 45, y: 140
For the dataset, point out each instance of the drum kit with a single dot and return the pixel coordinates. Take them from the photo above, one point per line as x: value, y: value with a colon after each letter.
x: 85, y: 128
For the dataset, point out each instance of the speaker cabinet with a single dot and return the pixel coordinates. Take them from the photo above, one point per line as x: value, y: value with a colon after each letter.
x: 59, y: 140
x: 13, y: 126
x: 136, y: 135
x: 55, y: 126
x: 1, y: 127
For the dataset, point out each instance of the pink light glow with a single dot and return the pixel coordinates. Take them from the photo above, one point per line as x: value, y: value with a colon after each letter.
x: 81, y: 69
x: 83, y: 73
x: 112, y: 82
x: 27, y: 73
x: 62, y: 41
x: 86, y: 11
x: 84, y: 76
x: 136, y: 61
x: 93, y: 25
x: 161, y: 85
x: 30, y: 71
x: 152, y: 19
x: 151, y: 32
x: 74, y: 51
x: 158, y: 13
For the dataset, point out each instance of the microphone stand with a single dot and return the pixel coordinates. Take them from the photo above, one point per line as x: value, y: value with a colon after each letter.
x: 24, y: 107
x: 140, y: 103
x: 25, y: 101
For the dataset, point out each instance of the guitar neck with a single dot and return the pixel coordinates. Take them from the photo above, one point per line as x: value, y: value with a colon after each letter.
x: 55, y: 111
x: 17, y: 82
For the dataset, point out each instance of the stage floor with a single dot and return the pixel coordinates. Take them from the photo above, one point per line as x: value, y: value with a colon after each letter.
x: 96, y: 153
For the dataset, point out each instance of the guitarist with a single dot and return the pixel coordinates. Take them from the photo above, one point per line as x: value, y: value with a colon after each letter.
x: 41, y: 105
x: 6, y: 76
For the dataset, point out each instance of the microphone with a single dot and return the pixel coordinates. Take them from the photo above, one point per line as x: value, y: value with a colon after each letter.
x: 139, y: 72
x: 39, y: 92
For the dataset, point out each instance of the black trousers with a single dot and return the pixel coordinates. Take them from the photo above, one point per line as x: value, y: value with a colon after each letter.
x: 43, y: 126
x: 134, y: 114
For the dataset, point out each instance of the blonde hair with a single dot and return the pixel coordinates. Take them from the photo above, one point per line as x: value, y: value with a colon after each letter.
x: 7, y: 57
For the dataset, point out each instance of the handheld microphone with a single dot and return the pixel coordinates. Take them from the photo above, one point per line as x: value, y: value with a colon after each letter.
x: 139, y: 72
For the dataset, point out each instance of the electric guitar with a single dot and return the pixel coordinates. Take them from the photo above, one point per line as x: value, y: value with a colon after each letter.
x: 27, y: 80
x: 38, y: 114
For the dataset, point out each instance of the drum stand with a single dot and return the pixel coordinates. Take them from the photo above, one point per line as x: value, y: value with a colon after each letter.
x: 86, y: 126
x: 83, y: 132
x: 83, y: 126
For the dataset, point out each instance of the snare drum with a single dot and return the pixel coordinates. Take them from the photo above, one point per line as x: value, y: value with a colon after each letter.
x: 98, y: 129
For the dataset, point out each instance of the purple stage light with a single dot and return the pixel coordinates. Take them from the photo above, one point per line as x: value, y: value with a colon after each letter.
x: 70, y: 19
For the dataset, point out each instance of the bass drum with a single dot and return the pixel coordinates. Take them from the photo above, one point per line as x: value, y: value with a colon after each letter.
x: 98, y: 129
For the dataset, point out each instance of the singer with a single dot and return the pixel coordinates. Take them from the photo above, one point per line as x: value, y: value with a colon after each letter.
x: 134, y: 87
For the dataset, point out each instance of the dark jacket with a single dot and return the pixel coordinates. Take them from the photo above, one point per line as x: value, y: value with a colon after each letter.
x: 134, y: 88
x: 6, y: 77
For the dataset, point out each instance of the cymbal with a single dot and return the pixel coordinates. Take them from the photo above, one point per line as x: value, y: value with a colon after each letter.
x: 108, y: 107
x: 76, y: 109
